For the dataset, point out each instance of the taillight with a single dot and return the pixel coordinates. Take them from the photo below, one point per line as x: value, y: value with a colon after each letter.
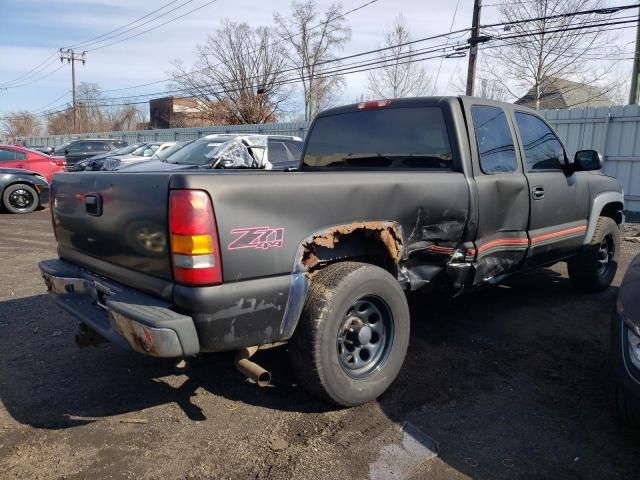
x: 58, y: 162
x: 195, y: 248
x: 374, y: 104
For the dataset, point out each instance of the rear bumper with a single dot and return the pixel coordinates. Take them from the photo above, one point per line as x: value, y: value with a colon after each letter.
x: 122, y: 315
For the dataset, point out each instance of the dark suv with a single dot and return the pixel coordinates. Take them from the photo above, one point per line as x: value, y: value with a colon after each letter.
x: 77, y: 150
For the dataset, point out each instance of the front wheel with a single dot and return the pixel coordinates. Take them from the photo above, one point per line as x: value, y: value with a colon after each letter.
x: 353, y: 333
x: 594, y: 268
x: 20, y: 198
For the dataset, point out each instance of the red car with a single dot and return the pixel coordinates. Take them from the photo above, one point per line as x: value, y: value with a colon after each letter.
x: 19, y: 157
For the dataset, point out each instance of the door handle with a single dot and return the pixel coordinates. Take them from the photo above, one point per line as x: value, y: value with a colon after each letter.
x: 20, y: 166
x: 538, y: 193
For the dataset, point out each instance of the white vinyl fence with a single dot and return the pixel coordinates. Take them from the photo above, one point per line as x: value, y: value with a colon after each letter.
x: 614, y: 132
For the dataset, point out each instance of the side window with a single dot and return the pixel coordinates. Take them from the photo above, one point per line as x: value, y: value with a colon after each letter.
x: 99, y: 146
x: 494, y: 139
x: 278, y: 153
x: 6, y: 155
x: 78, y: 147
x: 20, y: 155
x: 542, y: 149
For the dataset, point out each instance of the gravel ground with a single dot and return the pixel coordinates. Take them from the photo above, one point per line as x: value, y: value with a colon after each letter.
x: 509, y: 382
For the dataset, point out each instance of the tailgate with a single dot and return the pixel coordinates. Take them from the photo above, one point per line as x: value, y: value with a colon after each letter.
x: 114, y: 223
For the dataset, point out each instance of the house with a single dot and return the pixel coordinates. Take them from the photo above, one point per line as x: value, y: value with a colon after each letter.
x: 560, y: 93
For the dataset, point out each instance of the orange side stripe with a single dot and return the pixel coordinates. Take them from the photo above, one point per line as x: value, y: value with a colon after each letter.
x: 436, y: 248
x: 561, y: 233
x: 504, y: 241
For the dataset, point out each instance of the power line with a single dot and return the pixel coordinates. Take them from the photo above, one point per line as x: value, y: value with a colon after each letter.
x: 92, y: 40
x: 40, y: 66
x: 441, y: 46
x: 27, y: 76
x: 360, y: 7
x: 340, y: 70
x: 501, y: 38
x: 44, y: 107
x: 48, y: 74
x: 453, y: 21
x: 155, y: 26
x: 600, y: 11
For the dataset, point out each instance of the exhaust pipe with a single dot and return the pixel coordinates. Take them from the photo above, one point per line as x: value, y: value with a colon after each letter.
x: 250, y: 369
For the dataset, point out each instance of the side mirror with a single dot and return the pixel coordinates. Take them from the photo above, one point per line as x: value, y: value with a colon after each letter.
x: 66, y: 152
x: 587, y: 160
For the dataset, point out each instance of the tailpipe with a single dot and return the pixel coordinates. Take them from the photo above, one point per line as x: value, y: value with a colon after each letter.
x: 250, y: 369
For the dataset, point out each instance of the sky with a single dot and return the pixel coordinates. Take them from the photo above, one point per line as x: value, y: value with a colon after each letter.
x: 33, y: 30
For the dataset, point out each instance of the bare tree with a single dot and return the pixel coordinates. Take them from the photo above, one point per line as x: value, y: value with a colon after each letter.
x: 312, y: 38
x: 119, y: 118
x: 21, y: 124
x: 397, y: 77
x: 60, y: 123
x: 94, y: 114
x: 238, y: 76
x: 89, y: 101
x: 485, y: 87
x: 544, y: 49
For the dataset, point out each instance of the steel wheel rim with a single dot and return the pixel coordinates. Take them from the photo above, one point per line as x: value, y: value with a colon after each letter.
x: 606, y: 251
x: 21, y: 199
x: 365, y: 337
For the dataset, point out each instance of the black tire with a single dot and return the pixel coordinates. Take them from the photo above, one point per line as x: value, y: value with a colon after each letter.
x: 624, y: 391
x: 590, y: 271
x: 20, y: 198
x: 333, y: 318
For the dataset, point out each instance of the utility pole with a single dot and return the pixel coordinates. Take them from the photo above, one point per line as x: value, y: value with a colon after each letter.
x: 72, y: 57
x: 634, y: 93
x: 474, y: 40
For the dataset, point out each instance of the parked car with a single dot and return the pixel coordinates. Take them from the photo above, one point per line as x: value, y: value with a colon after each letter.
x: 20, y: 157
x: 80, y: 149
x: 41, y: 149
x: 391, y: 196
x: 22, y: 191
x: 624, y: 358
x: 145, y: 153
x: 283, y: 152
x: 138, y: 150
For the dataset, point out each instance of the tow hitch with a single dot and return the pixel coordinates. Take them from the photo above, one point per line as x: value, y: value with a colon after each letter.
x: 86, y: 337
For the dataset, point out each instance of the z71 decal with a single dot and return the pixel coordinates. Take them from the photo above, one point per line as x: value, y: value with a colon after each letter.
x: 260, y: 238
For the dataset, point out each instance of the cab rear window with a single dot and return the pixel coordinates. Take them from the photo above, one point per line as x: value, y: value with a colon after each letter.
x: 396, y: 138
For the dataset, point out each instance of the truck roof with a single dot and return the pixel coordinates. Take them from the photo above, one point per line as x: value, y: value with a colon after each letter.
x: 418, y: 102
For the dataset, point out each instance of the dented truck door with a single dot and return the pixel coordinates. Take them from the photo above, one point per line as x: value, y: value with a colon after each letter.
x: 501, y: 240
x: 559, y: 196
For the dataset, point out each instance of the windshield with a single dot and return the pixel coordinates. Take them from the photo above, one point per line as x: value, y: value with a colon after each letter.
x: 164, y: 154
x: 61, y: 148
x: 126, y: 150
x: 382, y: 138
x: 195, y: 153
x: 146, y: 150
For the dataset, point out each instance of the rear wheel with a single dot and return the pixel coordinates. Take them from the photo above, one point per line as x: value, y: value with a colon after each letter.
x: 20, y: 198
x: 594, y: 268
x: 353, y: 333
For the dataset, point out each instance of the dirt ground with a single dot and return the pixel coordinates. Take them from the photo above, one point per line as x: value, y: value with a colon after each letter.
x: 509, y: 382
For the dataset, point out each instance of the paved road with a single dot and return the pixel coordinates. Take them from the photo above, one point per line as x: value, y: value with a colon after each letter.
x: 510, y: 382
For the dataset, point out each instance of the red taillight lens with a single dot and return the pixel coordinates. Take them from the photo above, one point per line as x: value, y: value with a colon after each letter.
x: 194, y: 238
x: 58, y: 162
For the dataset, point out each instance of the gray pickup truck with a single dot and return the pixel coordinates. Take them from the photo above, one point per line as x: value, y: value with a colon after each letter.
x: 390, y: 196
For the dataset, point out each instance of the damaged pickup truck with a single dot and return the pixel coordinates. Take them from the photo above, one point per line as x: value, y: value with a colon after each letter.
x: 391, y: 196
